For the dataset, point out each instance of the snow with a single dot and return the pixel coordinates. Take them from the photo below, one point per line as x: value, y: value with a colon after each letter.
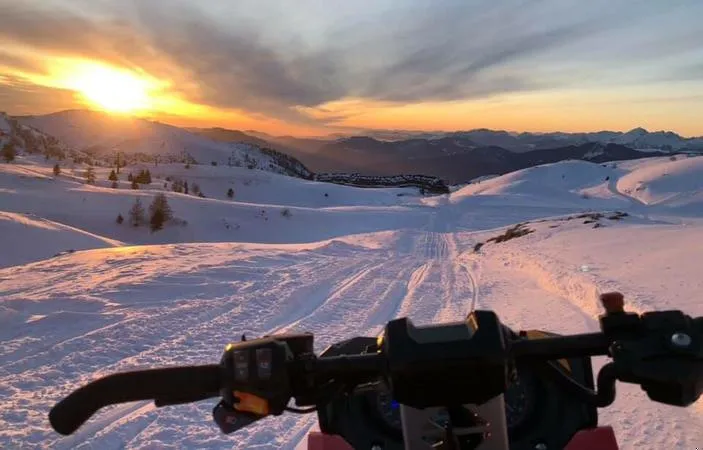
x: 46, y: 237
x: 674, y: 183
x: 567, y: 184
x: 339, y: 265
x: 29, y: 187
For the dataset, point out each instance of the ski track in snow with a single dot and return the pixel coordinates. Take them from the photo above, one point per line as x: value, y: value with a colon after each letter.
x: 69, y: 319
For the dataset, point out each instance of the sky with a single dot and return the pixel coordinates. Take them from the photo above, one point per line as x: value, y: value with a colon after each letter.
x: 310, y: 66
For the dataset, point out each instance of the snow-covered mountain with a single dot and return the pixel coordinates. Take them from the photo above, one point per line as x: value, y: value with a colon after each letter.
x: 25, y: 138
x: 106, y: 135
x: 82, y: 296
x: 638, y: 138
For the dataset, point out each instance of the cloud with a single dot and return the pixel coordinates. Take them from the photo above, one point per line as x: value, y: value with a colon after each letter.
x: 405, y: 53
x: 29, y: 98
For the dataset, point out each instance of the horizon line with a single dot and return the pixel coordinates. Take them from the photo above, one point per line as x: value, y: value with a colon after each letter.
x: 333, y: 134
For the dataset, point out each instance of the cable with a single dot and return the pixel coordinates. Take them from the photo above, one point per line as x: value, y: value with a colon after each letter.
x: 301, y: 410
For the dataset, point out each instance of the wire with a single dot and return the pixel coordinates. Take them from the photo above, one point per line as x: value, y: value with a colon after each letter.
x: 301, y: 410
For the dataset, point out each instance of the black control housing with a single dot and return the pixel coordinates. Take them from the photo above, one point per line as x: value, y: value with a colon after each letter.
x: 464, y: 362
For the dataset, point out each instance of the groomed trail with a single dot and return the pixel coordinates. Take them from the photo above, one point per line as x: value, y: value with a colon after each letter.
x: 74, y: 317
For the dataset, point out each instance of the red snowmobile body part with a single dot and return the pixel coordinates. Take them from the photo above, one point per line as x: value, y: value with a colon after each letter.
x: 601, y: 438
x: 322, y: 441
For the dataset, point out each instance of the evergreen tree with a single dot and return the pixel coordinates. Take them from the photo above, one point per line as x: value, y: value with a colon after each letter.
x: 120, y: 219
x: 185, y: 187
x: 90, y: 175
x: 130, y: 177
x: 135, y: 185
x: 160, y: 212
x: 147, y: 177
x: 136, y: 213
x: 157, y: 220
x: 177, y: 186
x: 57, y: 170
x: 8, y: 152
x: 230, y: 193
x: 113, y: 176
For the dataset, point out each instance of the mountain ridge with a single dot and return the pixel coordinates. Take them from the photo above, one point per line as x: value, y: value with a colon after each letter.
x: 105, y: 136
x: 455, y: 157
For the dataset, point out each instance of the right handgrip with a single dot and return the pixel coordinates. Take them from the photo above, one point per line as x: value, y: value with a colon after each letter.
x: 166, y: 386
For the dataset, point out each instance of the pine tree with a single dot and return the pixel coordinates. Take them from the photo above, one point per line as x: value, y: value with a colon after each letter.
x: 230, y: 193
x: 147, y: 177
x: 57, y: 170
x: 90, y: 175
x: 185, y: 187
x: 135, y: 185
x: 160, y: 212
x: 130, y: 177
x: 8, y: 152
x: 136, y: 213
x: 157, y: 220
x: 113, y: 176
x: 177, y: 186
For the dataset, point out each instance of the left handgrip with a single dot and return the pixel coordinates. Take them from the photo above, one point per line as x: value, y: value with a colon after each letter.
x: 166, y: 386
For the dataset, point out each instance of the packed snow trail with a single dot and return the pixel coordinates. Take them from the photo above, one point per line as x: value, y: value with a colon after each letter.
x: 114, y: 310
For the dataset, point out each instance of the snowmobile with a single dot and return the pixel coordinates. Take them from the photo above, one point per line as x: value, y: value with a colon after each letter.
x: 474, y: 384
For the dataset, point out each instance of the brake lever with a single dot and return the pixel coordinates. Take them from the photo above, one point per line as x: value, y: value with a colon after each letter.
x: 662, y: 351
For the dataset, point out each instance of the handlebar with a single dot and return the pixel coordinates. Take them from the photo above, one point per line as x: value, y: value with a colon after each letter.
x: 474, y: 359
x: 166, y: 386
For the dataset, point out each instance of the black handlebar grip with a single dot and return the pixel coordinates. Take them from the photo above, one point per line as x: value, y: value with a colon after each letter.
x: 167, y: 386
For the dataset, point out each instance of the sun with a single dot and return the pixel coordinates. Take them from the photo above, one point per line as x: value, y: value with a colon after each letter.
x: 114, y: 90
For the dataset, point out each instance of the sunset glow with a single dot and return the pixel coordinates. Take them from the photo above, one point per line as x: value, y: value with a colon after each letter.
x: 308, y: 69
x: 111, y: 89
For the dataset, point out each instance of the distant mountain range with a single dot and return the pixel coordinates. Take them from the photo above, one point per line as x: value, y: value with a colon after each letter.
x: 637, y: 138
x: 455, y: 157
